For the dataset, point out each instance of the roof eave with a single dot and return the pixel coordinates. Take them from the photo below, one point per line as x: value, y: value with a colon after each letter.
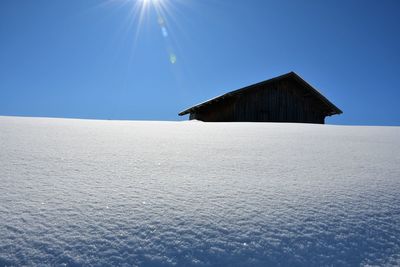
x: 318, y: 94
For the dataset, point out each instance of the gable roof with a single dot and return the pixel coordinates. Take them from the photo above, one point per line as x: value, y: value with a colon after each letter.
x: 332, y: 108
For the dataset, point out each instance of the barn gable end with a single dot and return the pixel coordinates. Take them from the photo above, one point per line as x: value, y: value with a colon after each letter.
x: 287, y: 98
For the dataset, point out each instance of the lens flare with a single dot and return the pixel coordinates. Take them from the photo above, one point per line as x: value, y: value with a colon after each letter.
x: 159, y: 8
x: 172, y: 58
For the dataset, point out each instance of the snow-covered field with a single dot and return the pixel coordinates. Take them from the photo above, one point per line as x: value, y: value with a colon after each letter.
x: 127, y: 193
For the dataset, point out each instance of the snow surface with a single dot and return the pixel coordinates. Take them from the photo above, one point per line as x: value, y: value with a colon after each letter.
x: 130, y: 193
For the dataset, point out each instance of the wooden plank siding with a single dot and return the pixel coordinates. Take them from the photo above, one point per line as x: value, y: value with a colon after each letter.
x: 281, y: 101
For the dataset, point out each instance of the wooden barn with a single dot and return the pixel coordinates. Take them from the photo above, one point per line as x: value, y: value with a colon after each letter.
x: 286, y: 98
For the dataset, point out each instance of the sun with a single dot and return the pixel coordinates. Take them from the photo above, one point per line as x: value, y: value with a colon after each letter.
x: 146, y: 2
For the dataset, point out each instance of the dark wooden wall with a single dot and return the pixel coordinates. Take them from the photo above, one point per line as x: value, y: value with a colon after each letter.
x: 281, y: 101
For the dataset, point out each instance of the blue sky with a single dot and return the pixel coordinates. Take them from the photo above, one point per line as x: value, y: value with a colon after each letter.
x: 98, y: 59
